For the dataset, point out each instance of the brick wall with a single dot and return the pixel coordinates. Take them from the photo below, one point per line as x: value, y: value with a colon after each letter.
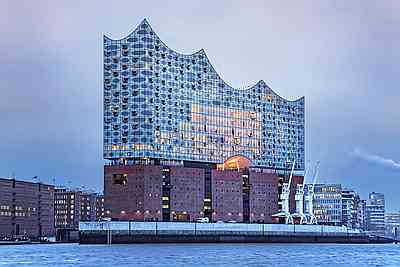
x: 263, y: 196
x: 227, y: 200
x: 187, y: 193
x: 139, y: 198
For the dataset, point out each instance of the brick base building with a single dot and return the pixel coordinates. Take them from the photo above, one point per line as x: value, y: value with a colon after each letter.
x: 185, y: 193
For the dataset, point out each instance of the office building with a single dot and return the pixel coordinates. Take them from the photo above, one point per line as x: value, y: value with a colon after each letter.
x: 183, y: 144
x: 328, y: 204
x: 26, y: 209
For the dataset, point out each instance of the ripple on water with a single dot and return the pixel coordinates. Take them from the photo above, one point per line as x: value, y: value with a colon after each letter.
x: 201, y: 254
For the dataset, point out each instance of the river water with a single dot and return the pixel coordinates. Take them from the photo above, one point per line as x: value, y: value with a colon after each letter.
x: 201, y: 255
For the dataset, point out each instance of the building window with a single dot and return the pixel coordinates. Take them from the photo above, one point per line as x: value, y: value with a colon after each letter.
x: 121, y: 179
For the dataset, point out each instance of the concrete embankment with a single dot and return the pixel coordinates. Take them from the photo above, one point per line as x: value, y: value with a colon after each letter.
x: 172, y: 232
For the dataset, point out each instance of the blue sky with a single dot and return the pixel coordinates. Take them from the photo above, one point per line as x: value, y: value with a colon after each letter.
x: 341, y: 55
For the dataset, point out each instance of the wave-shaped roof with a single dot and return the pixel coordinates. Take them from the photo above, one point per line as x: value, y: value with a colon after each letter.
x: 145, y: 25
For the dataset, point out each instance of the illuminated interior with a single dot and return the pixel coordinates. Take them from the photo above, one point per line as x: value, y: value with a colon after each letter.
x: 235, y: 163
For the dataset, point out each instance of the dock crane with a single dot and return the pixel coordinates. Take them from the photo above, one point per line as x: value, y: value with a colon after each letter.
x: 309, y: 198
x: 299, y: 198
x: 285, y: 196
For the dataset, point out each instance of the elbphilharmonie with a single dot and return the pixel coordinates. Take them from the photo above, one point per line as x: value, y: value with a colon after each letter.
x: 182, y: 144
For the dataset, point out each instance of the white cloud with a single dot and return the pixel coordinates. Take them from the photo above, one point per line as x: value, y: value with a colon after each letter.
x: 358, y: 153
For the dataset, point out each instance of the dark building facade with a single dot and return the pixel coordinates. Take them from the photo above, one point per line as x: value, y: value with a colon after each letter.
x: 100, y: 209
x: 26, y: 209
x: 183, y: 144
x: 88, y: 206
x: 72, y: 206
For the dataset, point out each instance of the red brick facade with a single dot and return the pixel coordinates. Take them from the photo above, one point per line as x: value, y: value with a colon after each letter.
x: 263, y: 196
x: 135, y: 192
x: 227, y: 195
x: 187, y: 193
x: 139, y: 197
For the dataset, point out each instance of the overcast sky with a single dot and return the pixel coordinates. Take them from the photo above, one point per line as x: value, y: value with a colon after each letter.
x: 343, y: 56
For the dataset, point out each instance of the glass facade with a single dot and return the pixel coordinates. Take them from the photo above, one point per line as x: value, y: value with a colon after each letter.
x: 160, y: 104
x: 328, y: 203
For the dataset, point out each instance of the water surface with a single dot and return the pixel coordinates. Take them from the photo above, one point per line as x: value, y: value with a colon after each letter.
x: 201, y: 255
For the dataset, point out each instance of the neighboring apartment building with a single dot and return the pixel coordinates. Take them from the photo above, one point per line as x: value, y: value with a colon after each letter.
x: 392, y: 224
x: 328, y: 204
x: 100, y: 210
x: 362, y: 215
x: 73, y: 206
x: 376, y: 213
x: 183, y: 144
x: 88, y: 206
x: 26, y: 209
x: 350, y: 205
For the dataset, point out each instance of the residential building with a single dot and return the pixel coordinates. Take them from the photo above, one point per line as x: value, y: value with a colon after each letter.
x: 392, y: 224
x: 72, y: 206
x: 181, y: 143
x: 26, y: 209
x: 328, y: 204
x: 88, y: 206
x: 376, y: 213
x: 362, y: 215
x: 100, y: 209
x: 350, y: 206
x: 66, y: 208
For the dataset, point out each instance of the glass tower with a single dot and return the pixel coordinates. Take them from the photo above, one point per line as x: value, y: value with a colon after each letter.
x: 163, y: 105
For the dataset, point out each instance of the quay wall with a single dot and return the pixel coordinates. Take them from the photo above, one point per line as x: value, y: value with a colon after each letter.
x: 173, y: 232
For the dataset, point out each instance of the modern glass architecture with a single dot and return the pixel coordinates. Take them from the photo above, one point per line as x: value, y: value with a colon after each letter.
x: 328, y: 204
x: 161, y: 105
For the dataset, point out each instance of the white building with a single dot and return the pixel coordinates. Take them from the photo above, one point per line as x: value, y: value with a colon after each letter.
x: 376, y: 213
x: 392, y: 224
